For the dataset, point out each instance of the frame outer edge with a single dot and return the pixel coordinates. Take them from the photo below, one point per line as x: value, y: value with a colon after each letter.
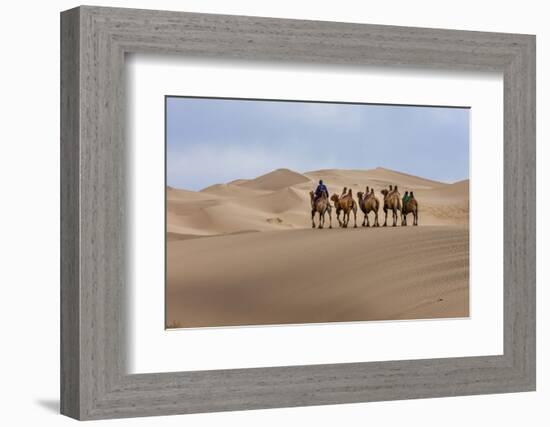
x: 532, y: 138
x: 528, y: 166
x: 520, y: 216
x: 70, y: 396
x: 90, y: 365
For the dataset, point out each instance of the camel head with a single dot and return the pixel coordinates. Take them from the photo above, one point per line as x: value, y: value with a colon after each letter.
x: 384, y: 192
x: 367, y: 190
x: 349, y: 192
x: 411, y: 195
x: 311, y: 195
x: 360, y: 196
x: 334, y: 198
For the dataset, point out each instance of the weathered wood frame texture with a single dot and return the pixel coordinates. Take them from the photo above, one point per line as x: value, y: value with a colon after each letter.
x: 94, y: 41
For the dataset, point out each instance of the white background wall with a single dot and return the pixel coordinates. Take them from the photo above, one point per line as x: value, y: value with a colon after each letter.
x: 29, y: 212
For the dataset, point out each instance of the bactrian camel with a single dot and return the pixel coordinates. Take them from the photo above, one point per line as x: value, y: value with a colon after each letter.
x: 392, y: 201
x: 369, y: 203
x: 322, y: 207
x: 411, y: 206
x: 345, y: 204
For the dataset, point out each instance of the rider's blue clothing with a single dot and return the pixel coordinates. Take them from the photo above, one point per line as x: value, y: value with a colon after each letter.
x: 321, y: 189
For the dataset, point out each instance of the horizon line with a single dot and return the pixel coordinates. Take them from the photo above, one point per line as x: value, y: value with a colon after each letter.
x: 305, y: 173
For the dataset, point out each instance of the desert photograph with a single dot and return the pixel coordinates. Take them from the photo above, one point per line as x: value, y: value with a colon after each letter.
x: 290, y: 212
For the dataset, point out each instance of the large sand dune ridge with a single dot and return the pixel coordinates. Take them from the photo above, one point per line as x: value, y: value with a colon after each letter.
x: 244, y: 253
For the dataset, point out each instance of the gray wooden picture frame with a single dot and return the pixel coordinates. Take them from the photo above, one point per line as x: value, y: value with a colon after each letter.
x: 94, y: 381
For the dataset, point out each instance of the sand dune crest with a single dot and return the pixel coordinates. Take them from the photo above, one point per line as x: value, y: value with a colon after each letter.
x: 276, y: 180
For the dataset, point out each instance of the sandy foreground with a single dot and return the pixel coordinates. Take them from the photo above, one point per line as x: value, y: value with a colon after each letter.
x: 244, y: 253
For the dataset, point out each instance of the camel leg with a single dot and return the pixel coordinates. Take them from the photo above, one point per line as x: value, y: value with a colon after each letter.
x: 355, y: 218
x: 312, y: 218
x: 386, y: 219
x: 395, y: 217
x: 364, y: 220
x: 376, y: 224
x: 415, y: 220
x: 321, y: 219
x: 368, y: 222
x: 403, y: 219
x: 329, y: 219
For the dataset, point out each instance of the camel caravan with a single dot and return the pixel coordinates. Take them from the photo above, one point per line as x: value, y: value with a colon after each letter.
x: 346, y: 205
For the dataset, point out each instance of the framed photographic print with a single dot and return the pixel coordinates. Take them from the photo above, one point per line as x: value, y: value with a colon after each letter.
x: 263, y: 213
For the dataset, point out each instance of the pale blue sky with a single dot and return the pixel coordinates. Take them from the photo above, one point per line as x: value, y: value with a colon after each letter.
x: 212, y: 141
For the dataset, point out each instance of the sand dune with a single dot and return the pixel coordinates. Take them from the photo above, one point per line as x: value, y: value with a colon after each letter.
x: 305, y: 276
x: 275, y: 180
x: 279, y: 200
x: 231, y: 190
x: 378, y: 177
x: 178, y: 195
x: 244, y: 253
